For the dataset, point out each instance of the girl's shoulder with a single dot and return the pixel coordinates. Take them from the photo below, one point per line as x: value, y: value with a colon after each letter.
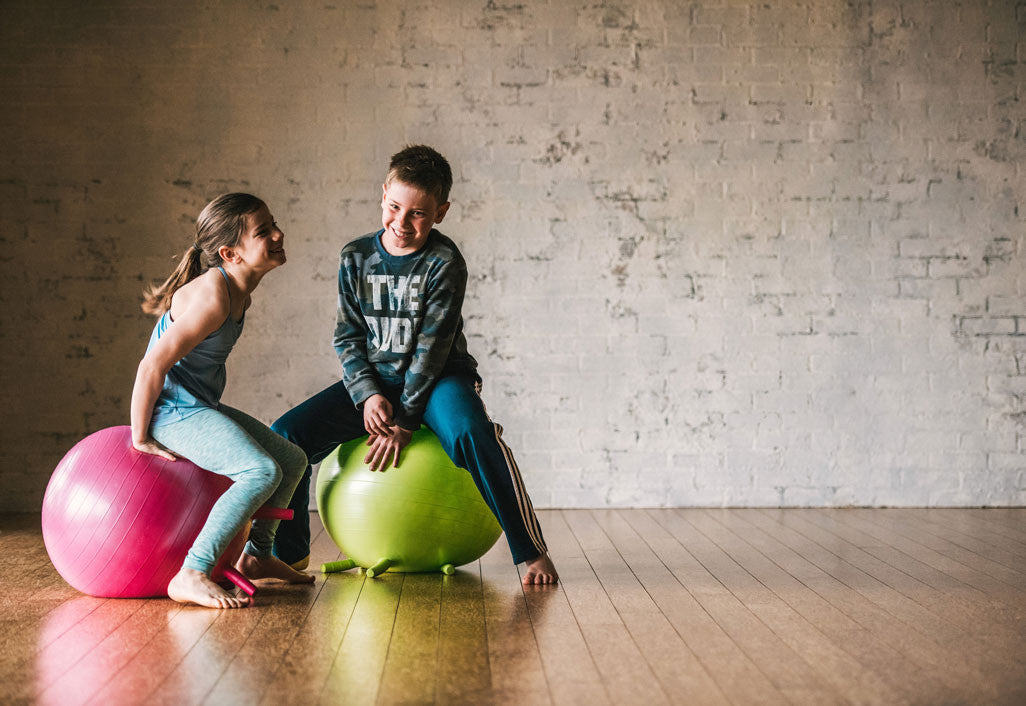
x: 205, y: 296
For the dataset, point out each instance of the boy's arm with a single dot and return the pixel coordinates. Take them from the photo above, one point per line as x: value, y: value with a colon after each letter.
x: 350, y: 340
x: 442, y: 316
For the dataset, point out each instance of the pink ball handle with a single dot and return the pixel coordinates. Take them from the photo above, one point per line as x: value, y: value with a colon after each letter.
x: 241, y: 581
x: 272, y: 513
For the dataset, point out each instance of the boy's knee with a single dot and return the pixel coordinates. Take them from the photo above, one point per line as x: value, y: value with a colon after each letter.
x: 283, y: 427
x: 471, y: 430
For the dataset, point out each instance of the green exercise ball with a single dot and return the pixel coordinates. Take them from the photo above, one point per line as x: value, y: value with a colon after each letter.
x: 425, y: 515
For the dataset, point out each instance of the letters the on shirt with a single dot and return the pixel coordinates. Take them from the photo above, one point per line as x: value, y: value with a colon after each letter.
x: 394, y: 331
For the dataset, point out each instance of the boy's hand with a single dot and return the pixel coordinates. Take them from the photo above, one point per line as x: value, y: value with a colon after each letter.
x: 385, y: 450
x: 377, y: 416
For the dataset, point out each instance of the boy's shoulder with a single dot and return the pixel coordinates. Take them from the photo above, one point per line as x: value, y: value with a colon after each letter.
x: 443, y: 246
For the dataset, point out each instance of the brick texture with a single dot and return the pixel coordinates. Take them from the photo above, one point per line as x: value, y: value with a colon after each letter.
x: 722, y: 253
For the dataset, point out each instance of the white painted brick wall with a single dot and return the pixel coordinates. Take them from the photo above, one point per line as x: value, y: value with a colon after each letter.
x: 722, y: 252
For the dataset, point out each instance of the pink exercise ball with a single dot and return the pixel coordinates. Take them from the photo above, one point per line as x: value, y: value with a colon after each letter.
x: 118, y: 523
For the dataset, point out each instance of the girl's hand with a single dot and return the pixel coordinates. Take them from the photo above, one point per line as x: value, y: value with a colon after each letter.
x: 377, y: 416
x: 385, y: 450
x: 149, y: 445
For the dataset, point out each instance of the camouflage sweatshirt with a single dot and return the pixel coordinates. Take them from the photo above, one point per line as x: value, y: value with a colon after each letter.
x: 400, y: 321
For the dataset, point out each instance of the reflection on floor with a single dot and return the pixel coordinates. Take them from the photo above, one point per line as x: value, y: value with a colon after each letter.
x: 654, y: 606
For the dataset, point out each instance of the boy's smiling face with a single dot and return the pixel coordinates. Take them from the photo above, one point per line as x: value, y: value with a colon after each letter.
x: 407, y: 215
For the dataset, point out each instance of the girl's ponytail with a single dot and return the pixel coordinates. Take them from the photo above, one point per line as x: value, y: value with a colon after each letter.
x: 157, y: 298
x: 221, y: 224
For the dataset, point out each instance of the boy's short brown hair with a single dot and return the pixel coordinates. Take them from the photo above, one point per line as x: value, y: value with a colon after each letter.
x: 423, y: 167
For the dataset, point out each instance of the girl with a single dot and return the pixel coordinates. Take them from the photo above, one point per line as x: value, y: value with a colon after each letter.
x: 176, y: 408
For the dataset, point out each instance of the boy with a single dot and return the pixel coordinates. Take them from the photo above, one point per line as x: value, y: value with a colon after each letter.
x: 399, y: 336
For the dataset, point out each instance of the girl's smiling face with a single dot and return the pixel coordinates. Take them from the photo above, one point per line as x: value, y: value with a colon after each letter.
x: 262, y: 245
x: 407, y: 215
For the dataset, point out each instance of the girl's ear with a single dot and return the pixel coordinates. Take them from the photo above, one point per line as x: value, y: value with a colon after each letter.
x: 227, y: 254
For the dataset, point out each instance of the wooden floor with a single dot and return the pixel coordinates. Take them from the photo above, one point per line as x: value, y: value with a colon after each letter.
x: 655, y: 606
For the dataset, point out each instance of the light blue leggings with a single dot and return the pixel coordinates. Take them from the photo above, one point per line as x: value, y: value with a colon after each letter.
x: 265, y: 469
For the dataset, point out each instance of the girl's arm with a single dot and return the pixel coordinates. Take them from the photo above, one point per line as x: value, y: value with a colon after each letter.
x: 204, y: 310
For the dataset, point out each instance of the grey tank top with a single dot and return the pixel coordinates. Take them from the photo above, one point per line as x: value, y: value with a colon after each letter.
x: 197, y: 380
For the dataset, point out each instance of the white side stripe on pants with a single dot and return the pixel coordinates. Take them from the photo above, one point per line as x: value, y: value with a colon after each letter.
x: 523, y: 499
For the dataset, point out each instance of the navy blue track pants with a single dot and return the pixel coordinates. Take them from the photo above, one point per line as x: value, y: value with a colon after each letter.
x: 456, y: 414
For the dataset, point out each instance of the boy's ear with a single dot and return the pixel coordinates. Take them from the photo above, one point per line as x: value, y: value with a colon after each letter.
x: 442, y: 210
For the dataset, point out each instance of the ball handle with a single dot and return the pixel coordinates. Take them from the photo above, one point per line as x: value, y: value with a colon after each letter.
x: 379, y: 568
x: 239, y: 580
x: 331, y: 567
x: 272, y: 513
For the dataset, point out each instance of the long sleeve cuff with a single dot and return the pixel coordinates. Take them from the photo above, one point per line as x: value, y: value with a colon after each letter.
x: 361, y: 390
x: 408, y: 421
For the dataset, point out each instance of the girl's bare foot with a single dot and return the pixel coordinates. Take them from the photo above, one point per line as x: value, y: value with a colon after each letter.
x: 191, y: 586
x: 270, y: 567
x: 540, y: 570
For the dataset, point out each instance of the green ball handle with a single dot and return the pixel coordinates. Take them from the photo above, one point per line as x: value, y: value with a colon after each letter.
x: 448, y: 569
x: 334, y: 566
x: 379, y: 568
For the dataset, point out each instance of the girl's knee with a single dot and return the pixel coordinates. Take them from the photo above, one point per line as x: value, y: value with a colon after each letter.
x: 265, y: 477
x: 296, y: 462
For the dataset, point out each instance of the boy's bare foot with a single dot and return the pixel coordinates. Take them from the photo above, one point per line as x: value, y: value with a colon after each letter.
x: 191, y: 586
x: 270, y: 567
x: 540, y: 570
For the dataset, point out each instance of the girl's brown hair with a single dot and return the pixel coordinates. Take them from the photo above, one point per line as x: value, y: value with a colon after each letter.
x: 221, y: 223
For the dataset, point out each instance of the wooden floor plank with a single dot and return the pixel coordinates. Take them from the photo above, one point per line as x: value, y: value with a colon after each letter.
x: 570, y: 670
x: 77, y: 642
x: 207, y: 665
x: 28, y: 617
x: 962, y: 528
x: 411, y: 667
x: 809, y: 590
x: 791, y: 674
x: 355, y: 674
x: 623, y: 669
x: 285, y: 608
x: 463, y: 672
x: 832, y: 656
x: 662, y: 565
x: 957, y: 564
x: 682, y: 606
x: 159, y: 657
x: 305, y: 664
x: 103, y: 662
x: 303, y: 673
x: 919, y: 634
x: 220, y: 636
x: 155, y: 660
x: 967, y: 607
x: 997, y: 521
x: 611, y: 544
x: 857, y: 594
x: 514, y: 659
x: 991, y: 561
